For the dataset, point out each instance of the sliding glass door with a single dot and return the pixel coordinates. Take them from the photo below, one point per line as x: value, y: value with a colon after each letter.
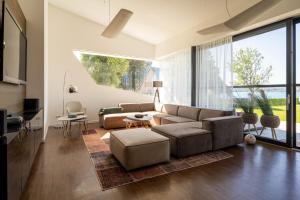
x: 297, y: 86
x: 260, y: 82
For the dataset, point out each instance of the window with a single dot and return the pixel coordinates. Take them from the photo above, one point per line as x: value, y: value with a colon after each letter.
x: 123, y: 73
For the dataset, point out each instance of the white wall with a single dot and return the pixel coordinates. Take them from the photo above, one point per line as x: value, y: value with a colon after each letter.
x: 68, y: 32
x: 285, y: 9
x: 34, y: 11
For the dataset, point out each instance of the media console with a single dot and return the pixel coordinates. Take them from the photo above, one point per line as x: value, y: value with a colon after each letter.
x: 19, y: 146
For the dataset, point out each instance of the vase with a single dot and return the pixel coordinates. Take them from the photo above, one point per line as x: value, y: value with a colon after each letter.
x: 270, y: 121
x: 250, y: 118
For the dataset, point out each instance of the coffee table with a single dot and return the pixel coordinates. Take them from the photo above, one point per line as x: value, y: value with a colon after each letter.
x: 67, y: 123
x: 131, y: 121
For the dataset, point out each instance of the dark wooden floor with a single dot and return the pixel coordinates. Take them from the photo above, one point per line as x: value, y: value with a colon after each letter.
x: 63, y: 171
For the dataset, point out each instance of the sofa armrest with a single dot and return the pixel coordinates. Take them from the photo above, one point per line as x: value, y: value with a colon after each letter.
x: 226, y: 131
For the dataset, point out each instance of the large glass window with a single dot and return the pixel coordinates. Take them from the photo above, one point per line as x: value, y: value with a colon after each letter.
x: 123, y: 73
x: 259, y: 67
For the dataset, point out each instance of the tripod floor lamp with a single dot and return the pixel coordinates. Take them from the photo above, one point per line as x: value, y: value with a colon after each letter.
x: 157, y: 85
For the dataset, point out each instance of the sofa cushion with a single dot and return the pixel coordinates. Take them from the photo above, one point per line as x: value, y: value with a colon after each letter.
x: 186, y: 138
x: 210, y: 113
x: 170, y: 109
x: 147, y: 107
x: 180, y: 129
x: 130, y: 107
x: 188, y: 112
x: 174, y: 119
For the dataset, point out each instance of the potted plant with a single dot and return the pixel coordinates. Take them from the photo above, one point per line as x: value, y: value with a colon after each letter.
x: 248, y: 115
x: 268, y: 119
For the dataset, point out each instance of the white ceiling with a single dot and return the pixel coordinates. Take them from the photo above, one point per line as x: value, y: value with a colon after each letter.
x: 155, y: 21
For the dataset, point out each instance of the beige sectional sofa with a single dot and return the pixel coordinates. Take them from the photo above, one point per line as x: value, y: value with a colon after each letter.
x: 191, y: 130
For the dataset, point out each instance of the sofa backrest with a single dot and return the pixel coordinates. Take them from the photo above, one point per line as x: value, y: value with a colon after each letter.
x: 170, y: 109
x: 147, y: 107
x: 188, y: 112
x: 210, y: 113
x: 130, y: 107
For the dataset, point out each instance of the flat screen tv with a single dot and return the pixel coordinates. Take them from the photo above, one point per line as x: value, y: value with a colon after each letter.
x: 14, y: 50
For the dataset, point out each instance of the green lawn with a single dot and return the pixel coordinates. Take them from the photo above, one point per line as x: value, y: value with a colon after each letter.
x: 279, y: 111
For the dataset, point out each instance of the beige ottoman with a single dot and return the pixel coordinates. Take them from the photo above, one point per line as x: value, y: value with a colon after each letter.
x: 140, y: 147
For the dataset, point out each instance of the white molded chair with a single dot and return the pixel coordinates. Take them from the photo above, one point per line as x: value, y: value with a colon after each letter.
x: 75, y: 107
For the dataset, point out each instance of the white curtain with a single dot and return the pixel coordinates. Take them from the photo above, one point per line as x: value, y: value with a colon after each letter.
x: 175, y: 72
x: 214, y: 75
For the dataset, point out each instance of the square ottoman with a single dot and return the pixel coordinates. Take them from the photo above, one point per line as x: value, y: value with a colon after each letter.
x: 140, y: 147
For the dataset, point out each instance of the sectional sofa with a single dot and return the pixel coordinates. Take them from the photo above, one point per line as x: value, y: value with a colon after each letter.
x: 190, y: 130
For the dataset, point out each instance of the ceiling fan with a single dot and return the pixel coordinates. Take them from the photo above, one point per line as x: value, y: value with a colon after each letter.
x: 239, y: 21
x: 117, y: 24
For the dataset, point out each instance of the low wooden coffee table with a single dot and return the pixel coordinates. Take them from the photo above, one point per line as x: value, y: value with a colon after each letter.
x: 132, y: 121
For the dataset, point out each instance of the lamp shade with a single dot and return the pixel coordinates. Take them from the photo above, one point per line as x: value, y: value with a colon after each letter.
x: 157, y: 83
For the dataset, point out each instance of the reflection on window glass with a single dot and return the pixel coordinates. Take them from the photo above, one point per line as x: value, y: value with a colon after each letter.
x: 123, y: 73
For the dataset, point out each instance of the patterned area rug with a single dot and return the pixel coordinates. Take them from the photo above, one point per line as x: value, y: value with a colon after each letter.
x: 111, y: 174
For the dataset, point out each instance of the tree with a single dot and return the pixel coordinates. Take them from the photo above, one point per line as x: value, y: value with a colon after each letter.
x: 247, y: 65
x: 106, y: 70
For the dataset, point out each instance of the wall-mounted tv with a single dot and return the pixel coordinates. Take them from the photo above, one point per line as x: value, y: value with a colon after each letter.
x: 14, y: 51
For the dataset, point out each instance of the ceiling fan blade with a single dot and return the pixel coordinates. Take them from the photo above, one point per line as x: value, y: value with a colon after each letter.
x: 117, y: 24
x: 250, y: 14
x: 241, y: 19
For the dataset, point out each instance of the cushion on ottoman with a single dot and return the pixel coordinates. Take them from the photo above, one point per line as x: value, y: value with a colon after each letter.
x: 186, y: 138
x: 135, y: 148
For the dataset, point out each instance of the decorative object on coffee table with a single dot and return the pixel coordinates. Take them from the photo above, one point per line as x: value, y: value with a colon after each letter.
x: 268, y: 119
x: 133, y: 121
x: 250, y: 139
x: 248, y: 115
x: 157, y: 85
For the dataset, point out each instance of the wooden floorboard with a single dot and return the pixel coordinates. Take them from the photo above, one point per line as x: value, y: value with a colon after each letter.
x: 63, y: 171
